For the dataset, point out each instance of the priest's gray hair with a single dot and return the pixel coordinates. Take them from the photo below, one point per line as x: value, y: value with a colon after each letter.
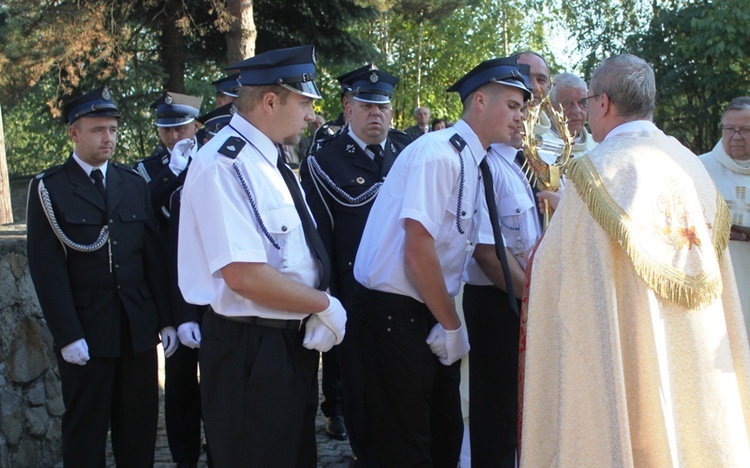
x: 566, y: 80
x: 738, y: 104
x: 630, y: 84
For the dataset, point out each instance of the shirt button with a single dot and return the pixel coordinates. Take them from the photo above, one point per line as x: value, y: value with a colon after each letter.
x: 518, y: 210
x: 111, y: 220
x: 166, y: 179
x: 390, y: 318
x: 412, y: 320
x: 117, y: 265
x: 284, y: 228
x: 119, y: 287
x: 133, y: 216
x: 83, y: 220
x: 284, y: 263
x: 350, y: 263
x: 388, y: 329
x: 114, y: 242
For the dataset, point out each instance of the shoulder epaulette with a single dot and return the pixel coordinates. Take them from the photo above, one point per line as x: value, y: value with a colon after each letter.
x: 395, y: 131
x: 48, y: 172
x: 232, y: 147
x: 458, y: 142
x: 125, y: 168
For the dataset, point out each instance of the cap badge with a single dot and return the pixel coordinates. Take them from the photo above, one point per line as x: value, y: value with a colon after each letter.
x: 105, y: 94
x: 168, y: 99
x: 374, y: 77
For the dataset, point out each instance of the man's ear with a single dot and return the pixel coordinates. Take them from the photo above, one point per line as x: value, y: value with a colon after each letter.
x: 73, y: 132
x: 269, y: 102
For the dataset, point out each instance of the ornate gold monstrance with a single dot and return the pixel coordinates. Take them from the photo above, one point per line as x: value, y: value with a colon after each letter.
x: 546, y: 176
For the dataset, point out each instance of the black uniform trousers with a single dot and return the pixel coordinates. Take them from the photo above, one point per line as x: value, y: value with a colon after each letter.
x: 413, y: 400
x: 182, y: 410
x: 259, y: 391
x: 493, y: 330
x: 119, y: 393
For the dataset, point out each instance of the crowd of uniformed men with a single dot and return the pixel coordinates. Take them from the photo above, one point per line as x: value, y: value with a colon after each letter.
x: 214, y: 244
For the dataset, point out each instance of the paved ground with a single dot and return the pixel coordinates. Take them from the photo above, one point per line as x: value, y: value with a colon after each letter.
x: 331, y: 453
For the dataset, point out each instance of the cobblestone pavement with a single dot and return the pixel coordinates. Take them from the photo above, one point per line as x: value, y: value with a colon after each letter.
x: 331, y: 453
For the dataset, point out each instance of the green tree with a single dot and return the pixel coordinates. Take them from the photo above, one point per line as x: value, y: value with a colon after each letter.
x: 700, y: 53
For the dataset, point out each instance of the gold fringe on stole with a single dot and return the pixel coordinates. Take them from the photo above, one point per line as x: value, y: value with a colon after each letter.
x: 722, y: 226
x: 691, y: 292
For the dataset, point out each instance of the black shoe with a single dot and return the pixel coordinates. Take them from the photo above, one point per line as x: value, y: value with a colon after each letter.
x: 335, y: 428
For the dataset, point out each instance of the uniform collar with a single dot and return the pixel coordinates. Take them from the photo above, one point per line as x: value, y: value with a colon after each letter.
x: 361, y: 143
x: 87, y: 168
x: 260, y: 141
x: 471, y: 139
x: 506, y: 152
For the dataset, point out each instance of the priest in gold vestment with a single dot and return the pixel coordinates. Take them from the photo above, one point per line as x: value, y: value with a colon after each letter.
x: 634, y: 352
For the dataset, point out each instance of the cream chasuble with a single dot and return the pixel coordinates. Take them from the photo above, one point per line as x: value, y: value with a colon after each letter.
x: 733, y: 181
x: 635, y: 353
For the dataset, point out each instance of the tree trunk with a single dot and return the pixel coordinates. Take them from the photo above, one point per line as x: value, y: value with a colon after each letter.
x: 173, y: 54
x: 6, y: 211
x: 242, y: 34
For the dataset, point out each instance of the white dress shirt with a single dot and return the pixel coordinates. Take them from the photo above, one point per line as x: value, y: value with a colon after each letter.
x: 423, y: 185
x: 517, y: 215
x: 219, y: 227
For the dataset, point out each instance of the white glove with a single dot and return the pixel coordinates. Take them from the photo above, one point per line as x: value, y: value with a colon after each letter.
x: 190, y: 334
x: 178, y: 161
x: 456, y: 344
x: 169, y: 341
x: 334, y: 317
x: 318, y: 335
x: 436, y: 341
x: 76, y: 352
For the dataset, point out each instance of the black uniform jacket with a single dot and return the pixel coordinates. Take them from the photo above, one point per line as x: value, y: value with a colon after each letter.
x: 162, y: 182
x: 353, y: 171
x: 79, y: 291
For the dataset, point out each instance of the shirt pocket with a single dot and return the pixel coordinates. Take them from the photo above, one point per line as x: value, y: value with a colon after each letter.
x: 285, y: 227
x: 512, y: 209
x: 130, y: 214
x: 449, y: 234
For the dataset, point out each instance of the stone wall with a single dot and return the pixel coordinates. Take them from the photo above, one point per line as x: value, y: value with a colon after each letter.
x: 31, y: 405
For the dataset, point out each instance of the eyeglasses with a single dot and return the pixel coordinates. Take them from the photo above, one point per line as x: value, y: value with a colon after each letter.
x: 730, y: 131
x: 568, y: 105
x: 585, y: 101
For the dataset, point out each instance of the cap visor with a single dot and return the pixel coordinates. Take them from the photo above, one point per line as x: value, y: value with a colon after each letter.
x: 305, y: 88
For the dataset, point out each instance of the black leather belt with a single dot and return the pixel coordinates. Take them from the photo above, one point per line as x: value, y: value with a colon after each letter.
x: 270, y: 323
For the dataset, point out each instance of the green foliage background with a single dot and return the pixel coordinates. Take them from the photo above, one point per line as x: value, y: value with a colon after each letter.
x: 700, y: 51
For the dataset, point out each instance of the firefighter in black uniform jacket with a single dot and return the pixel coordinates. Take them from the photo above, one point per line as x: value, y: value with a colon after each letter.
x: 96, y: 266
x: 165, y: 172
x: 341, y: 180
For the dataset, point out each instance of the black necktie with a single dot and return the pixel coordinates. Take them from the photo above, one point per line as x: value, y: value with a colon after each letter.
x: 489, y: 195
x: 308, y: 226
x: 377, y: 150
x: 98, y: 177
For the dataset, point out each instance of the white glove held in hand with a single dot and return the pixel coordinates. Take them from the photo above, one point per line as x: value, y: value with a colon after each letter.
x: 190, y: 334
x: 169, y: 341
x: 456, y: 344
x: 436, y: 341
x: 178, y: 161
x: 334, y: 317
x: 76, y: 352
x: 317, y: 335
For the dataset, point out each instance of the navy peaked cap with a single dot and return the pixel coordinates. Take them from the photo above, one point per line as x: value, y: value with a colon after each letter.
x: 174, y: 109
x: 373, y: 86
x: 346, y: 79
x: 218, y: 118
x: 293, y: 68
x: 97, y: 103
x: 502, y: 71
x: 228, y: 85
